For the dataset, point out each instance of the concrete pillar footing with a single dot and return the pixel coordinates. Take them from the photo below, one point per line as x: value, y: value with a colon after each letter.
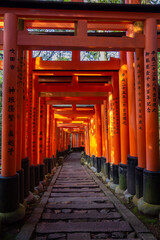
x: 119, y: 191
x: 128, y: 196
x: 14, y: 216
x: 147, y: 208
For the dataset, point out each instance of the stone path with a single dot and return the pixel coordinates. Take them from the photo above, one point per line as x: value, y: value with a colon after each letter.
x: 77, y: 208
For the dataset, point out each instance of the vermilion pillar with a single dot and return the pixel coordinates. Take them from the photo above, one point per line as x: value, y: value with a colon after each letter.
x: 131, y: 105
x: 124, y: 128
x: 19, y: 107
x: 140, y: 113
x: 123, y: 103
x: 114, y: 127
x: 9, y: 186
x: 103, y: 137
x: 132, y: 157
x: 25, y: 108
x: 44, y: 128
x: 105, y: 115
x: 34, y: 119
x: 54, y: 137
x: 9, y: 113
x: 29, y: 106
x: 151, y: 174
x: 47, y: 130
x: 98, y: 129
x: 40, y: 138
x: 88, y: 140
x: 106, y: 136
x: 20, y: 82
x: 40, y: 131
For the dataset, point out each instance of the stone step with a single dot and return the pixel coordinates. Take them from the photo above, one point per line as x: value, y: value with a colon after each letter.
x: 69, y: 227
x: 75, y: 183
x: 74, y: 194
x: 81, y: 206
x: 78, y: 236
x: 93, y: 215
x: 71, y: 190
x: 74, y: 186
x: 78, y: 199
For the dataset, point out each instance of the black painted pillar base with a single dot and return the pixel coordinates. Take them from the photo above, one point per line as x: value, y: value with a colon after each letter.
x: 139, y: 182
x: 88, y: 159
x: 123, y: 176
x: 25, y: 166
x: 49, y: 165
x: 37, y: 175
x: 53, y: 162
x: 98, y: 163
x: 9, y: 193
x: 32, y: 178
x: 151, y: 187
x: 115, y: 169
x: 21, y: 185
x: 131, y: 166
x: 107, y: 170
x: 42, y: 171
x: 94, y: 161
x: 45, y: 165
x: 103, y: 160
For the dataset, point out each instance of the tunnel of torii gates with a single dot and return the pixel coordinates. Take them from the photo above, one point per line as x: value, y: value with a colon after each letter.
x: 108, y: 107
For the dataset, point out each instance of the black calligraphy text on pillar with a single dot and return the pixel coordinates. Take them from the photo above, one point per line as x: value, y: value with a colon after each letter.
x: 11, y: 107
x: 151, y: 86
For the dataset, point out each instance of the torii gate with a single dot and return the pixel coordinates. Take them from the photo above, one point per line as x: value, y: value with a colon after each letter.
x: 137, y: 133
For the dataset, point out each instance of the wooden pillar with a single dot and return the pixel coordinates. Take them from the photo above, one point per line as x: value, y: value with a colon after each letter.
x: 131, y: 106
x: 19, y: 104
x: 54, y: 137
x: 47, y: 130
x: 9, y: 113
x: 40, y: 131
x: 25, y: 108
x: 88, y: 140
x: 98, y: 129
x: 132, y: 157
x: 44, y: 129
x: 103, y: 133
x: 29, y: 105
x: 49, y: 138
x: 124, y: 128
x: 105, y: 116
x: 123, y: 103
x: 114, y: 127
x: 9, y: 179
x: 151, y: 174
x: 140, y: 113
x: 34, y: 120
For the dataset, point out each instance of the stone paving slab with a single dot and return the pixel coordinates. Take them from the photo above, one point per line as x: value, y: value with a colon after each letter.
x: 70, y: 190
x: 93, y: 215
x: 80, y: 206
x: 78, y: 199
x: 76, y: 194
x: 56, y: 236
x: 75, y: 186
x: 137, y: 225
x: 75, y: 182
x: 72, y: 184
x: 78, y: 236
x: 48, y: 227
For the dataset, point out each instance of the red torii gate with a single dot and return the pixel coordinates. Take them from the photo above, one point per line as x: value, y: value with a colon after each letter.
x: 138, y: 130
